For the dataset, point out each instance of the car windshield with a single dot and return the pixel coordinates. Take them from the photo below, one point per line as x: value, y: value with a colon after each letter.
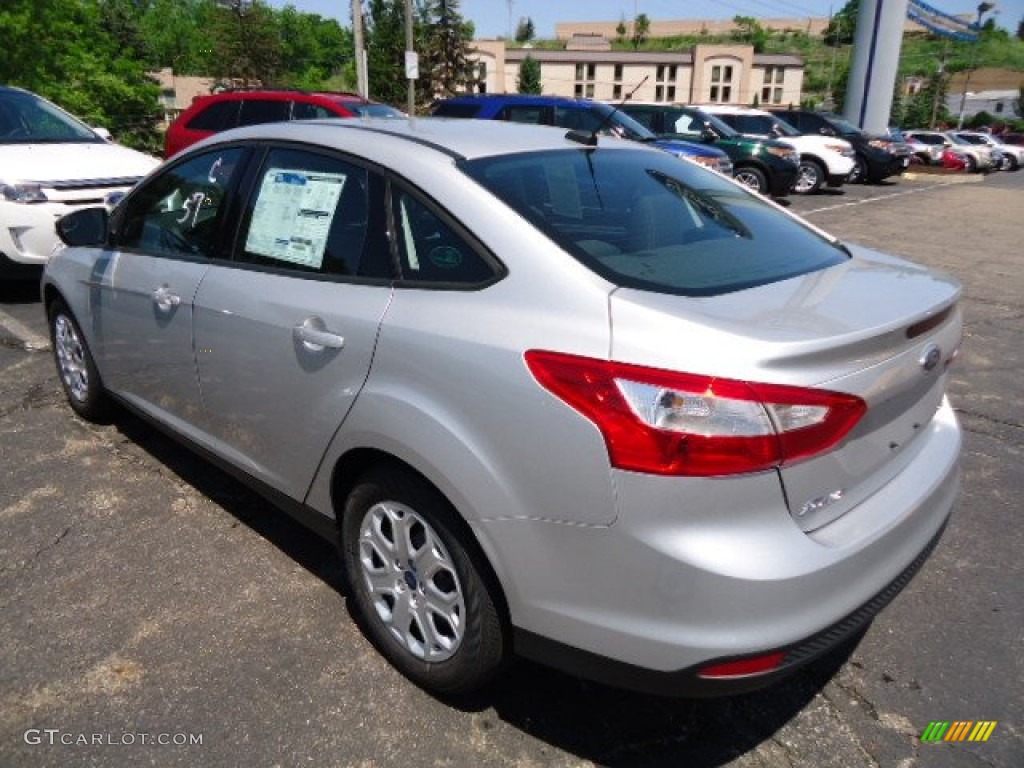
x: 723, y: 129
x: 27, y: 119
x: 843, y: 126
x: 761, y: 125
x: 375, y: 110
x: 649, y: 221
x: 970, y: 139
x: 623, y: 125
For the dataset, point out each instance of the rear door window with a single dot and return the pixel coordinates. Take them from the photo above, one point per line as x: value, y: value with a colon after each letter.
x: 219, y: 116
x: 525, y: 114
x: 256, y: 111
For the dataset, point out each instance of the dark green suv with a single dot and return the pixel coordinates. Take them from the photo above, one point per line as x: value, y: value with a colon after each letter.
x: 765, y: 165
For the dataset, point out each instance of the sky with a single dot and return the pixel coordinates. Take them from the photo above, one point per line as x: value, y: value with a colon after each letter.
x: 499, y: 17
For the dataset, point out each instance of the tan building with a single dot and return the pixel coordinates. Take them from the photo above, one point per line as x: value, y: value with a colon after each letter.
x: 683, y: 27
x: 714, y: 74
x: 178, y: 91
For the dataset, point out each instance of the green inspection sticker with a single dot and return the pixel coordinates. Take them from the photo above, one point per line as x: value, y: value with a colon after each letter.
x: 445, y: 257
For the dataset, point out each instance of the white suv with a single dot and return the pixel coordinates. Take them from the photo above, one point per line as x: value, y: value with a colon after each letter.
x: 823, y: 159
x: 51, y: 164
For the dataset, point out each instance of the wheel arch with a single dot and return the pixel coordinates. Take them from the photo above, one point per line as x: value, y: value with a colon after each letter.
x: 356, y: 462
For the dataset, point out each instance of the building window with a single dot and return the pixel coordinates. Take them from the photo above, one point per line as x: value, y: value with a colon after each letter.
x: 714, y: 93
x: 716, y: 74
x: 726, y: 93
x: 722, y: 83
x: 659, y: 93
x: 779, y: 74
x: 670, y: 92
x: 585, y: 74
x: 999, y: 107
x: 766, y: 94
x: 727, y: 73
x: 618, y: 72
x: 617, y: 92
x: 777, y: 96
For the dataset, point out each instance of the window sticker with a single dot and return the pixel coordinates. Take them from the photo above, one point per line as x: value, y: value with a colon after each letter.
x: 293, y: 214
x: 562, y: 190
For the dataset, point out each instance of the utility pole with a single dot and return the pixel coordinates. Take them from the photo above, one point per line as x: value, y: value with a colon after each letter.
x: 362, y: 81
x: 412, y: 64
x: 938, y: 86
x: 983, y: 8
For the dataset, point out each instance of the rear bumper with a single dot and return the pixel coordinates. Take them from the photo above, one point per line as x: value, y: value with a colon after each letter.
x: 695, y: 571
x: 688, y: 682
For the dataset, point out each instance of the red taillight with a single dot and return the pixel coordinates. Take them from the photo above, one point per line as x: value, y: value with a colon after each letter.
x: 753, y: 665
x: 668, y: 423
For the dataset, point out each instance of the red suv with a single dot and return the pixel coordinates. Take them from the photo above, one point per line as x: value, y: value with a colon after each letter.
x: 229, y: 109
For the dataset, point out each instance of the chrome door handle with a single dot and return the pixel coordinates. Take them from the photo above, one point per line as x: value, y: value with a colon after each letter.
x: 314, y: 335
x: 164, y: 299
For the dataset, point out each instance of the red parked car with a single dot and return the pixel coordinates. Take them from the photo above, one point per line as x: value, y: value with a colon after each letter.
x: 229, y: 109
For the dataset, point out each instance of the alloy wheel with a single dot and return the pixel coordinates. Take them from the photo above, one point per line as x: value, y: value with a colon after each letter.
x: 411, y: 581
x: 70, y: 358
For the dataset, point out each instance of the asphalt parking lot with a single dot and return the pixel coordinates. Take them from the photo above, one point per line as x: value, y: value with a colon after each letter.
x: 158, y: 613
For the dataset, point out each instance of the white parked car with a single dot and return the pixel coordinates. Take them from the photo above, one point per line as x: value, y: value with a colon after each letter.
x: 1013, y: 156
x: 828, y: 159
x: 52, y: 164
x: 979, y: 158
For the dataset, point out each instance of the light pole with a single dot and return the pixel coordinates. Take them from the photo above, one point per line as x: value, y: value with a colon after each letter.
x: 983, y: 8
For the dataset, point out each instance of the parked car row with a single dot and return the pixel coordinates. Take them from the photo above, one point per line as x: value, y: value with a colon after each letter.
x: 974, y: 151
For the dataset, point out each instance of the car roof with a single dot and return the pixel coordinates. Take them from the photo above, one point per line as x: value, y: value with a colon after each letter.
x: 518, y: 98
x: 456, y: 137
x: 728, y: 109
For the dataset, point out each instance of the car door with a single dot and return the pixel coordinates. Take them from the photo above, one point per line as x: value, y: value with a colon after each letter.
x: 285, y: 332
x: 164, y: 238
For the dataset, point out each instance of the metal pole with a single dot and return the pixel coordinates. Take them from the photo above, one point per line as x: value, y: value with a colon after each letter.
x: 362, y: 83
x: 411, y: 109
x: 982, y: 9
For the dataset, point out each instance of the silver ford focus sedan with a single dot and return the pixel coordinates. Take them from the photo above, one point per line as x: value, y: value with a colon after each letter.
x: 553, y: 395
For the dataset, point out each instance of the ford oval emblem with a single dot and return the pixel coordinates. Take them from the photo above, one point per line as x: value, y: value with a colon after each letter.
x: 931, y: 357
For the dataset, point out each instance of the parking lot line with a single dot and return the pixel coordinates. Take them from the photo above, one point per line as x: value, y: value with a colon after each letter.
x: 17, y: 333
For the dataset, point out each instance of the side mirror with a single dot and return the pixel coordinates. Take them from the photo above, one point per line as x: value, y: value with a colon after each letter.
x: 103, y: 133
x: 707, y: 133
x: 826, y: 131
x: 84, y: 227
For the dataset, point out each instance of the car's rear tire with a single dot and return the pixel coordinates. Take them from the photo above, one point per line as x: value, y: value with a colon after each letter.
x: 76, y: 368
x: 420, y: 586
x: 751, y: 178
x: 972, y: 164
x: 809, y: 177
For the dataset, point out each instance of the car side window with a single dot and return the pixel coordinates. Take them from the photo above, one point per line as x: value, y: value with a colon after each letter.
x: 430, y: 251
x: 646, y: 118
x: 180, y: 212
x: 302, y: 110
x: 218, y: 116
x: 532, y: 115
x: 256, y: 111
x: 316, y: 214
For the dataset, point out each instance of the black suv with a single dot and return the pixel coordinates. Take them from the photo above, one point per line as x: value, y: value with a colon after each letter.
x: 875, y: 160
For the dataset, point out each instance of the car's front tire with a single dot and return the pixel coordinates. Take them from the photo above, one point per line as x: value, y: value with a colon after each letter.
x: 420, y: 586
x: 76, y: 368
x: 752, y: 178
x: 859, y: 174
x: 809, y: 177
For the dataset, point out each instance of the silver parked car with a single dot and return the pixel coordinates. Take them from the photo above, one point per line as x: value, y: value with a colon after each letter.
x: 553, y: 394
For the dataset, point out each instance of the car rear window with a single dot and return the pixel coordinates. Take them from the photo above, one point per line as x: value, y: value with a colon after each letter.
x: 257, y: 111
x: 650, y: 221
x: 449, y: 109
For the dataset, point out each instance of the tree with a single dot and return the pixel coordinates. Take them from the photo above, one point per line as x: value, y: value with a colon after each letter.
x: 87, y: 69
x: 385, y: 51
x: 246, y: 45
x: 641, y: 28
x: 843, y: 25
x: 1020, y: 29
x: 525, y: 31
x: 750, y: 31
x: 445, y: 47
x: 620, y: 29
x: 529, y: 76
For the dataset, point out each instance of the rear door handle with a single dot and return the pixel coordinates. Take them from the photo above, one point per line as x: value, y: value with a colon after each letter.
x: 315, y: 337
x: 164, y: 299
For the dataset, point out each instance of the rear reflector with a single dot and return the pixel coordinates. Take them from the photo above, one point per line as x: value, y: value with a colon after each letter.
x: 669, y: 423
x: 754, y: 665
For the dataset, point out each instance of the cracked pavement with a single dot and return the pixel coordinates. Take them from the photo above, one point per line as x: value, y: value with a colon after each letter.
x: 144, y: 592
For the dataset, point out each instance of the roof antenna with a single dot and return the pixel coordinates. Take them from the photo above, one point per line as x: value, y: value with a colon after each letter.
x: 589, y: 138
